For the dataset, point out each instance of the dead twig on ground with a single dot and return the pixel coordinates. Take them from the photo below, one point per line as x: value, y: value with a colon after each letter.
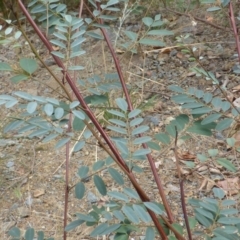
x: 198, y: 19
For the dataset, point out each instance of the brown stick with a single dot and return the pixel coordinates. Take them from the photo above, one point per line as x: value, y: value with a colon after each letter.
x: 235, y: 31
x: 198, y: 19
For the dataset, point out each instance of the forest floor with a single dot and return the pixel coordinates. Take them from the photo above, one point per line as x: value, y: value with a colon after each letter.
x: 32, y: 173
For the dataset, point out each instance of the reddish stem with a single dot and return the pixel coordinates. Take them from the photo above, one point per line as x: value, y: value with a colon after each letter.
x: 235, y: 30
x: 149, y: 156
x: 88, y: 111
x: 181, y: 183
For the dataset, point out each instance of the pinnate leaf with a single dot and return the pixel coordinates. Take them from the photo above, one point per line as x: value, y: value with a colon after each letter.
x: 62, y: 142
x: 128, y: 211
x: 134, y: 113
x: 5, y: 67
x: 100, y: 185
x: 122, y: 104
x: 31, y: 107
x: 148, y: 21
x: 79, y: 190
x: 116, y: 175
x: 154, y: 207
x: 150, y: 233
x: 79, y: 114
x: 140, y: 129
x: 160, y: 32
x: 28, y: 64
x: 14, y: 232
x: 152, y: 42
x: 74, y: 224
x: 99, y: 229
x: 29, y: 234
x: 83, y: 171
x: 227, y: 164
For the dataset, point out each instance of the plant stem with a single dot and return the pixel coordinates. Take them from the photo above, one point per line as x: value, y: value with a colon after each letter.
x: 119, y: 160
x: 183, y: 203
x: 150, y: 159
x: 234, y: 27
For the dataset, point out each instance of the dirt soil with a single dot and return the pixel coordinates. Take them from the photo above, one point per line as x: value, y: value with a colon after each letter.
x: 32, y: 173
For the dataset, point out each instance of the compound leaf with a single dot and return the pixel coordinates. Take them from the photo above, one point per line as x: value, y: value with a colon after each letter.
x: 74, y: 224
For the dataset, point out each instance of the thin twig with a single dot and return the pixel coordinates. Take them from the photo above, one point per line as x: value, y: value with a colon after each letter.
x: 112, y: 148
x: 234, y: 27
x: 181, y: 187
x: 68, y: 152
x: 198, y: 19
x: 150, y: 159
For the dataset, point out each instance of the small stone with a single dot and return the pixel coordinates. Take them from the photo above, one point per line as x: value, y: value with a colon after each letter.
x: 189, y: 29
x: 172, y: 187
x: 161, y: 63
x: 91, y: 197
x: 19, y: 147
x: 29, y: 201
x: 154, y: 120
x: 205, y: 62
x: 10, y: 164
x: 227, y: 66
x: 39, y: 192
x: 11, y: 169
x: 38, y: 201
x: 155, y: 56
x: 202, y: 168
x: 23, y: 212
x: 160, y: 75
x: 191, y: 74
x: 173, y: 53
x: 219, y: 136
x: 6, y: 142
x: 14, y: 206
x: 57, y: 176
x: 2, y: 155
x: 236, y: 68
x: 216, y: 177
